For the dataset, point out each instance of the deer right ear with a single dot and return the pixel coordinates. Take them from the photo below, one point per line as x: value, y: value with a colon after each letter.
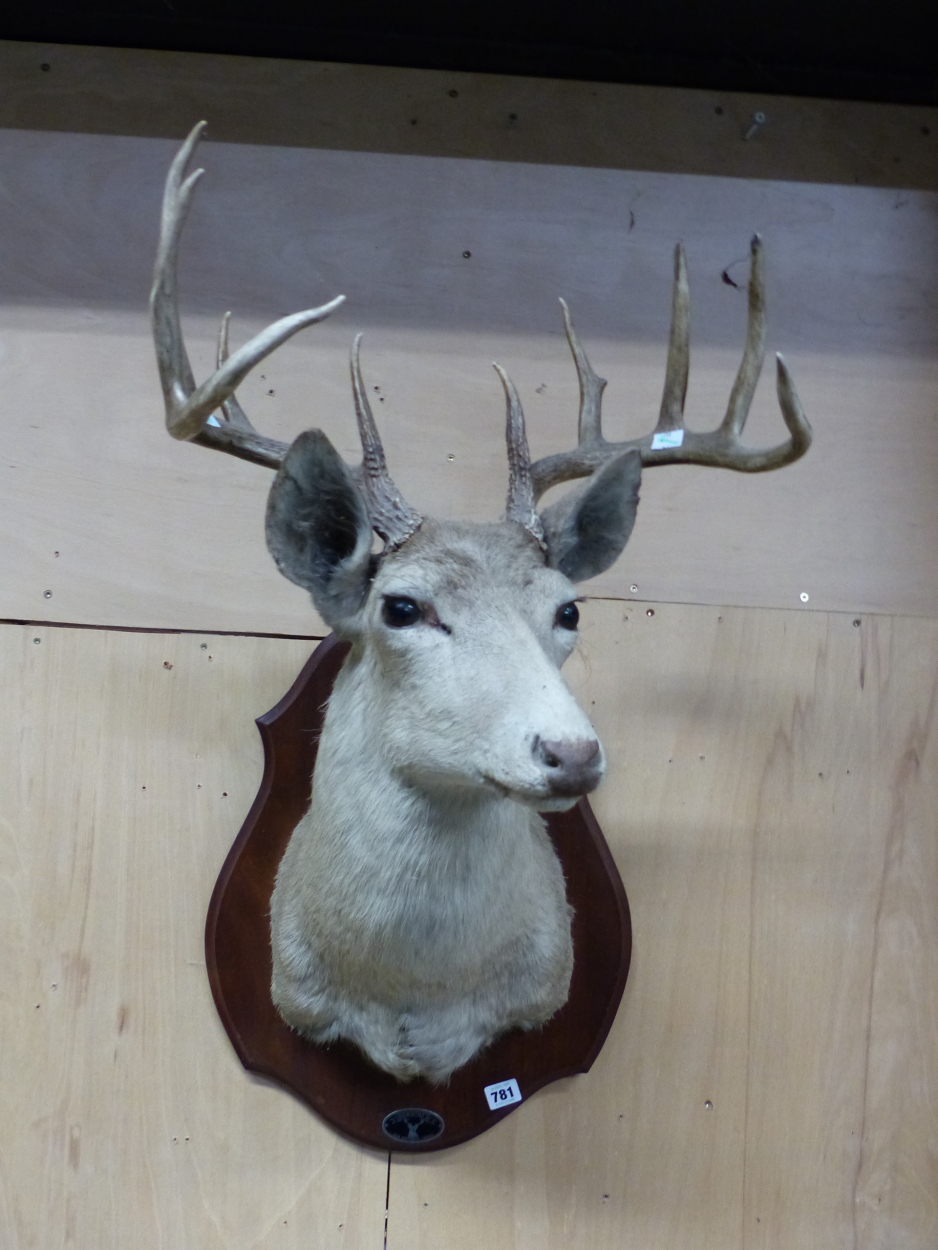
x: 318, y: 529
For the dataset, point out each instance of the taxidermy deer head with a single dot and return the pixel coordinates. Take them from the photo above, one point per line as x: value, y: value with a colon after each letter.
x: 420, y: 909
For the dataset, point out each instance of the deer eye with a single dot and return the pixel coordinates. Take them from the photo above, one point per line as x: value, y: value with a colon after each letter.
x: 398, y: 612
x: 568, y: 616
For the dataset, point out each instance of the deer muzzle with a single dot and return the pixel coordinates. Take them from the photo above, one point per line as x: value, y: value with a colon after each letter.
x: 573, y: 767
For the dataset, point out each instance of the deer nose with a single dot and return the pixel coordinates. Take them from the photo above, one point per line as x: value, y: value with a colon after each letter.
x: 573, y: 768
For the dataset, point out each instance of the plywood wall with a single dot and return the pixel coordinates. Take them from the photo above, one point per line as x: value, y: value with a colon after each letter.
x: 768, y: 1081
x: 371, y: 108
x: 448, y: 264
x: 770, y: 1078
x: 126, y: 1118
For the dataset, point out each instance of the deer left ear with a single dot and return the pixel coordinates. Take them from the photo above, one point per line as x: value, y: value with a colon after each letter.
x: 318, y: 529
x: 586, y: 530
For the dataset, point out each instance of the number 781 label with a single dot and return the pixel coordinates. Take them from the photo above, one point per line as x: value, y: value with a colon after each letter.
x: 503, y: 1094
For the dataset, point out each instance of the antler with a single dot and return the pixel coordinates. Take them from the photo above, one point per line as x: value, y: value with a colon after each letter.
x: 190, y: 408
x: 391, y: 516
x: 192, y: 411
x: 520, y: 506
x: 670, y: 442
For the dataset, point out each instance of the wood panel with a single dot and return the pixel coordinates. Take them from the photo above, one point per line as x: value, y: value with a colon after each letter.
x: 769, y: 1080
x: 150, y: 533
x: 127, y: 762
x: 498, y: 117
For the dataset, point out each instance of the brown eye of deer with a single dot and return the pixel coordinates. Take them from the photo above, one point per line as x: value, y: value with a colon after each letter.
x: 398, y: 612
x: 567, y: 616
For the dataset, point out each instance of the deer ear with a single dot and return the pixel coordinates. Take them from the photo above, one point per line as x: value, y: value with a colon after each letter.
x: 318, y: 530
x: 586, y: 530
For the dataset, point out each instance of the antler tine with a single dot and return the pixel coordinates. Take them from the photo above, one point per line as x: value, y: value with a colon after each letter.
x: 188, y: 406
x: 172, y: 358
x: 391, y: 516
x: 671, y: 416
x: 520, y: 505
x: 754, y: 353
x: 792, y: 411
x: 670, y: 442
x: 589, y: 424
x: 233, y: 412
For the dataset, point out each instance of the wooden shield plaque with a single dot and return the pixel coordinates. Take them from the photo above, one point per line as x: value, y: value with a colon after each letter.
x: 336, y: 1081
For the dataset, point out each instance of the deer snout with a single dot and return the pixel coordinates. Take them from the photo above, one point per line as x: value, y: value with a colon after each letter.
x: 573, y: 768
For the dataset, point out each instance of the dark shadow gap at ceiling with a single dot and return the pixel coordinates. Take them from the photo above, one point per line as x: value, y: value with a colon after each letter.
x: 864, y: 50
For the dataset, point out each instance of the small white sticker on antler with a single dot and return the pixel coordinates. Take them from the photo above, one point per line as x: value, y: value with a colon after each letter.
x: 668, y: 438
x: 503, y: 1094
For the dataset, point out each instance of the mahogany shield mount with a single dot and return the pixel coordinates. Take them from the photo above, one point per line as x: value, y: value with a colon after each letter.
x: 336, y: 1081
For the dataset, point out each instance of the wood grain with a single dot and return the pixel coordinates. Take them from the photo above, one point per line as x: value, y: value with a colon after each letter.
x: 153, y: 533
x: 125, y: 1117
x: 131, y: 91
x: 768, y: 1080
x: 783, y: 892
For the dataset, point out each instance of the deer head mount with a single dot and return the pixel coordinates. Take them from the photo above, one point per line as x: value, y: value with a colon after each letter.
x: 420, y: 909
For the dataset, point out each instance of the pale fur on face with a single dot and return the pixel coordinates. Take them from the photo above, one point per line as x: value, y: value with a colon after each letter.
x: 462, y: 697
x: 420, y: 908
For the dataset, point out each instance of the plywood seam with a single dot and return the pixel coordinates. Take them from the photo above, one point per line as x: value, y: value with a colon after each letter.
x: 760, y: 607
x: 161, y: 629
x: 387, y: 1203
x: 37, y: 623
